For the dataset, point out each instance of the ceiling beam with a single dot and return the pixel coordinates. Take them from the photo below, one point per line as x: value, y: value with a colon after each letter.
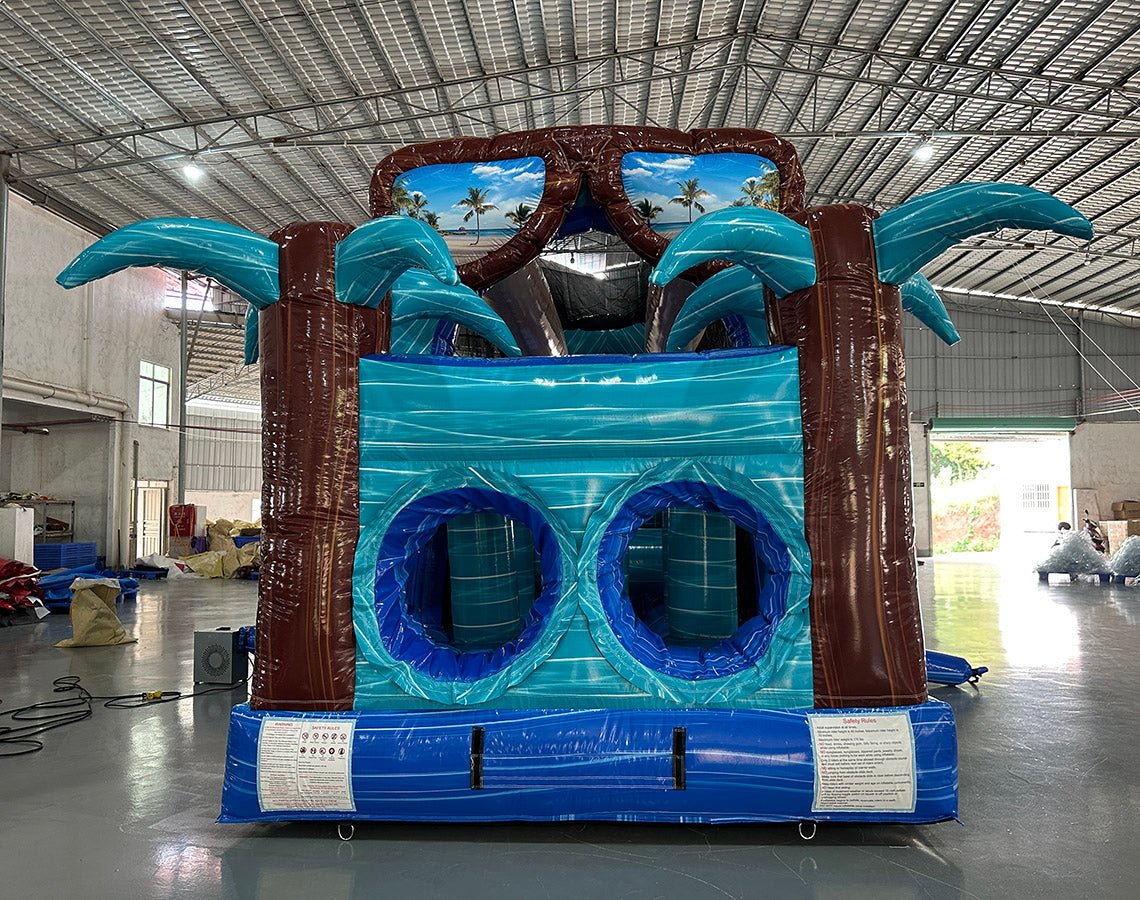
x: 277, y: 125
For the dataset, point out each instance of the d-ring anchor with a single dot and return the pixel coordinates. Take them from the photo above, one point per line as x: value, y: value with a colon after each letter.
x: 807, y: 830
x: 345, y: 831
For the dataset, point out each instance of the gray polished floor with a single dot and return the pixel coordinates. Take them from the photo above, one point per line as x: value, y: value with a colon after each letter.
x: 123, y: 804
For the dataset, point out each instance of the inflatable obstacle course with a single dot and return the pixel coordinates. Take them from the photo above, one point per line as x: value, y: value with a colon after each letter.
x: 545, y: 541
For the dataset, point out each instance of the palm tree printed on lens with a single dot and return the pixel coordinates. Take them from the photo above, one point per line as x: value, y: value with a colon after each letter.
x: 763, y: 191
x: 648, y: 209
x: 401, y: 199
x: 432, y: 220
x: 519, y: 215
x: 690, y: 195
x: 476, y: 205
x: 417, y: 205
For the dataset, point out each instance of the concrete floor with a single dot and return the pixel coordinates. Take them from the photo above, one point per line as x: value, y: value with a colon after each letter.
x: 123, y: 804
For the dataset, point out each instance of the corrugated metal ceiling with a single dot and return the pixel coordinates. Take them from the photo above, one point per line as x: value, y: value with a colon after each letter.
x: 286, y: 105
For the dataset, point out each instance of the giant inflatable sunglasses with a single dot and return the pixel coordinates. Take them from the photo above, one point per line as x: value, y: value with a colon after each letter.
x: 499, y: 201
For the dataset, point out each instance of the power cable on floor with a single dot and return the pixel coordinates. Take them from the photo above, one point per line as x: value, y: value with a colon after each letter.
x: 47, y: 715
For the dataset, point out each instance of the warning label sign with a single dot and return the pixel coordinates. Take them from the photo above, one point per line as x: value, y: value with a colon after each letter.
x: 305, y: 764
x: 863, y: 763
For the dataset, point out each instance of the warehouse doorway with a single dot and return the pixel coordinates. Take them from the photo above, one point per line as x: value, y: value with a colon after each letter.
x: 150, y: 517
x: 998, y: 494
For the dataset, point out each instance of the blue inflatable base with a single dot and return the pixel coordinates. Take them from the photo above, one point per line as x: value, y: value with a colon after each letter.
x: 677, y: 765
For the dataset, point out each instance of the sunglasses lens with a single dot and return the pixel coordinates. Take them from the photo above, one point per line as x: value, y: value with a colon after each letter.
x: 476, y: 206
x: 670, y: 190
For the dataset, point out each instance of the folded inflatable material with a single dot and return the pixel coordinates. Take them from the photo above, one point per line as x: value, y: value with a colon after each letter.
x: 18, y: 585
x: 583, y: 451
x: 556, y: 764
x: 219, y: 535
x: 1074, y: 554
x: 945, y: 668
x: 1126, y: 560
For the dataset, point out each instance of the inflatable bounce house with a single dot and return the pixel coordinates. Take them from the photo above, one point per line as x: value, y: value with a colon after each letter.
x: 548, y: 536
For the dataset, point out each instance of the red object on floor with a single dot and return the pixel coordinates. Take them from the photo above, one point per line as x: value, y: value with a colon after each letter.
x: 18, y: 583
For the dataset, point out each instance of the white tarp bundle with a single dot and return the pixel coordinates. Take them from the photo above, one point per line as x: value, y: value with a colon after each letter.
x: 1074, y: 554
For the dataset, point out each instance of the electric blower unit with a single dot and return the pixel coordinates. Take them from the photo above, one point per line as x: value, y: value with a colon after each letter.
x: 218, y: 657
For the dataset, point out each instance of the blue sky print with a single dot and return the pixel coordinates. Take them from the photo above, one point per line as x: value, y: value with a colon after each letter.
x: 508, y: 192
x: 673, y: 189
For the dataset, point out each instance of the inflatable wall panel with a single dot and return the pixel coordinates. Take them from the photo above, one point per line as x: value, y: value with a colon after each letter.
x: 560, y: 444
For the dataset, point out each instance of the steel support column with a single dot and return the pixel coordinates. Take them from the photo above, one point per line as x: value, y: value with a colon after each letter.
x: 5, y: 165
x: 182, y: 363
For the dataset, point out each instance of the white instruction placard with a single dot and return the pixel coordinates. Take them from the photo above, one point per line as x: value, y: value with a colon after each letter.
x: 305, y: 764
x: 863, y: 763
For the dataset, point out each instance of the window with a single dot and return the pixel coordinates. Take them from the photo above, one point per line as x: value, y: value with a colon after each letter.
x: 1037, y: 496
x: 154, y: 394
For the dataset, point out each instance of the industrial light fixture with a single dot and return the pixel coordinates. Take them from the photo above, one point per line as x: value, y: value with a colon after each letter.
x: 192, y: 171
x: 924, y: 152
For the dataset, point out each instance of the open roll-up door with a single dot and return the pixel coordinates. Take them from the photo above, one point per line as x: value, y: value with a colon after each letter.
x: 1000, y: 427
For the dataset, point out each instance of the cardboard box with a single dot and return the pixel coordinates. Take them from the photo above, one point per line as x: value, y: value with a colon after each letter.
x: 1126, y: 509
x: 1116, y: 530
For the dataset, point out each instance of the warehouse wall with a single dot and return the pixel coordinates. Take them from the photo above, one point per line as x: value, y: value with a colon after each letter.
x: 71, y: 462
x: 1105, y: 457
x: 223, y: 460
x: 232, y: 505
x: 79, y: 351
x: 224, y: 449
x: 1016, y: 362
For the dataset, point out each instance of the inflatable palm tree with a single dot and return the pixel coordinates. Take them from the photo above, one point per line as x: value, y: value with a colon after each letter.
x: 847, y: 326
x: 309, y: 346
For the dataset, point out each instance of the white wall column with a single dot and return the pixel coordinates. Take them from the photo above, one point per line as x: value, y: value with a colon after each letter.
x: 920, y: 487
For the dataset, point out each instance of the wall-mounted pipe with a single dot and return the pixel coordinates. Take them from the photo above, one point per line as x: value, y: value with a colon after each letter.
x: 39, y: 391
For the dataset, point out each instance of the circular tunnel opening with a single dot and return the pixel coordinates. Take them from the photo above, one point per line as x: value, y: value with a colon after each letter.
x: 466, y: 581
x: 693, y: 580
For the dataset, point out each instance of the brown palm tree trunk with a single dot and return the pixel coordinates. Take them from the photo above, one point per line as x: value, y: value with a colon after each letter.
x: 867, y: 645
x: 310, y: 348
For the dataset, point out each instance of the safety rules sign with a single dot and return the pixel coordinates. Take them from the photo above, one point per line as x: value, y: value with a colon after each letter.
x: 863, y: 763
x: 305, y: 764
